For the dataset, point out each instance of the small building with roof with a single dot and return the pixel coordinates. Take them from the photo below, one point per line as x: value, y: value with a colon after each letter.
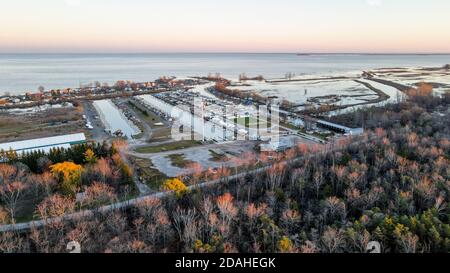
x: 339, y: 128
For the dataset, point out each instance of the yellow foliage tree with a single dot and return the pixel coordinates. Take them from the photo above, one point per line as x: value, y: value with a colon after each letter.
x: 69, y: 175
x: 9, y: 155
x: 285, y: 245
x: 175, y: 185
x: 89, y: 156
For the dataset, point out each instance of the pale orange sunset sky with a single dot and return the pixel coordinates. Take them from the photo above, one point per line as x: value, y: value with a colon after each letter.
x: 395, y: 26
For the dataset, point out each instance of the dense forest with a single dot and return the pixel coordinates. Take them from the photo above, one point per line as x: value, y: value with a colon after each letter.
x: 391, y: 185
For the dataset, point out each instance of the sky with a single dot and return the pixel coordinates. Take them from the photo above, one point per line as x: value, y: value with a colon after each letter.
x: 107, y: 26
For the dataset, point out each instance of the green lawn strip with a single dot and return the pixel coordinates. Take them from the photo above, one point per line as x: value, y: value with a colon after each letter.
x: 250, y: 121
x: 158, y: 132
x: 172, y: 146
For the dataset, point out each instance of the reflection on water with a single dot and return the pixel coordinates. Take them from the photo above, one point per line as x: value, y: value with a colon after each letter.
x: 20, y: 73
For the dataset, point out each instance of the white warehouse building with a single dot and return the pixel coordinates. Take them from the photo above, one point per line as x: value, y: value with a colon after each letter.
x: 44, y: 144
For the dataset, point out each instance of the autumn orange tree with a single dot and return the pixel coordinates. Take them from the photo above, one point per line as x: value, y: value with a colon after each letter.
x: 125, y: 169
x: 55, y: 206
x: 424, y: 89
x: 69, y: 174
x: 98, y: 194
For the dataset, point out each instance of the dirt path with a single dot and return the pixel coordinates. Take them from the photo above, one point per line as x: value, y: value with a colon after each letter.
x: 381, y: 95
x: 399, y: 86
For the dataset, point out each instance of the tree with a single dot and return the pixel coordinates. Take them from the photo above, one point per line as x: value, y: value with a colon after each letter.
x: 8, y: 156
x: 103, y: 168
x: 195, y: 171
x: 290, y: 220
x: 120, y: 85
x: 275, y: 175
x: 90, y: 157
x: 43, y: 164
x: 285, y: 245
x: 98, y: 194
x: 334, y: 208
x: 42, y: 185
x: 308, y: 247
x: 4, y: 217
x: 407, y: 241
x: 11, y: 193
x: 7, y: 172
x: 317, y: 182
x: 332, y: 240
x: 175, y: 185
x: 185, y: 225
x: 69, y: 174
x: 55, y: 206
x: 226, y: 207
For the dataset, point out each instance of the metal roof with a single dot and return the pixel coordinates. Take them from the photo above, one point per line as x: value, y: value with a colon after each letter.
x: 334, y: 125
x: 44, y: 144
x: 343, y: 128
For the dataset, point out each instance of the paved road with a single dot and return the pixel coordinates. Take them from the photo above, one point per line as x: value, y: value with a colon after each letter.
x: 134, y: 201
x: 98, y: 132
x: 145, y: 127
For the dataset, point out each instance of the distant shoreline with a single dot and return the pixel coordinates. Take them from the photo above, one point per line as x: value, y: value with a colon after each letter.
x: 232, y: 53
x: 24, y: 72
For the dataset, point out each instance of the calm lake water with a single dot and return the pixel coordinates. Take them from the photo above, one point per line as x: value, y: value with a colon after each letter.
x: 20, y: 73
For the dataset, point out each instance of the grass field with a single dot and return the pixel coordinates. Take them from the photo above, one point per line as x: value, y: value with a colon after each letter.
x: 40, y: 124
x: 250, y: 121
x: 178, y: 160
x: 172, y: 146
x: 159, y: 133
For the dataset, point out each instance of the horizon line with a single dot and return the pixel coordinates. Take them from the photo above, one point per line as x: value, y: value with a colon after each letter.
x: 237, y: 52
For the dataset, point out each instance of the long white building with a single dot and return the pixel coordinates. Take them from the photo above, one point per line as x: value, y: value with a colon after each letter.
x: 44, y: 144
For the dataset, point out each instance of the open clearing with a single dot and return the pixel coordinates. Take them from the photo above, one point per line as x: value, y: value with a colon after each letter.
x: 148, y: 174
x: 172, y: 146
x: 51, y: 122
x: 159, y: 132
x: 179, y: 160
x: 250, y: 121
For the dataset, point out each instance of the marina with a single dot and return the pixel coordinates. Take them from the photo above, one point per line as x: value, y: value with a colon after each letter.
x: 114, y: 120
